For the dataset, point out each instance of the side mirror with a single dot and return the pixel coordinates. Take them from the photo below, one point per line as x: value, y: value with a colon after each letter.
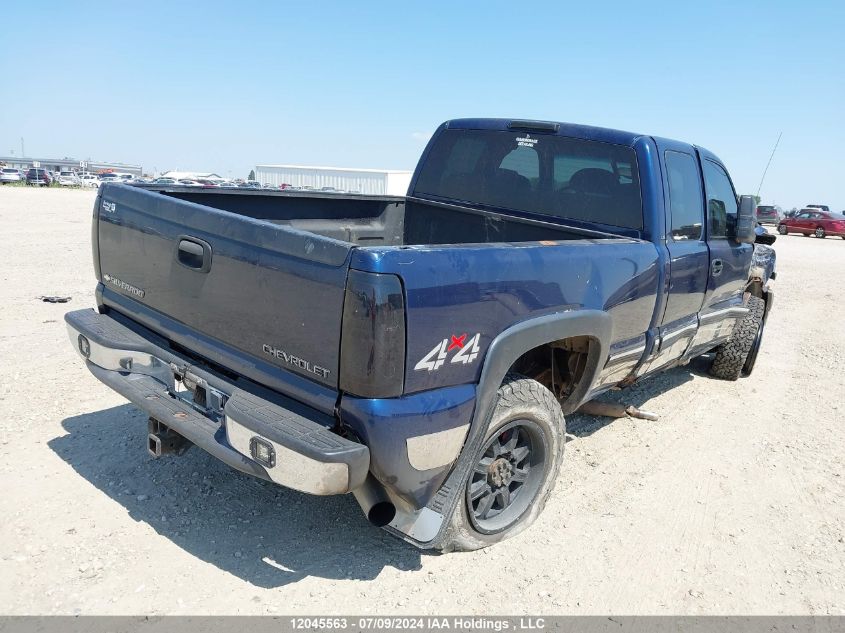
x: 763, y: 236
x: 746, y: 221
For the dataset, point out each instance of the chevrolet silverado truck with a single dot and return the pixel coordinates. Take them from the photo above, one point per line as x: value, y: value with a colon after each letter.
x: 421, y: 352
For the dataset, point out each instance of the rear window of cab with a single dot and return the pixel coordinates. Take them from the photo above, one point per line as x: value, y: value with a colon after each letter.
x: 564, y: 177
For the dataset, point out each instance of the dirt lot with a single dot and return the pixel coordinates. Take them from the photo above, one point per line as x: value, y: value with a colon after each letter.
x: 734, y: 502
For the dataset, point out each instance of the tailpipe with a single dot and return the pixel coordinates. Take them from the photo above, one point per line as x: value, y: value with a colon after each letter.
x: 162, y: 440
x: 373, y: 500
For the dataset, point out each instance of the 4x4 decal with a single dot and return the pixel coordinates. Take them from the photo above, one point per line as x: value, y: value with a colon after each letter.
x: 467, y: 351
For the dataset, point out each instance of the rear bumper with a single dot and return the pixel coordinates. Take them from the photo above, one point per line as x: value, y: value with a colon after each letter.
x: 228, y: 419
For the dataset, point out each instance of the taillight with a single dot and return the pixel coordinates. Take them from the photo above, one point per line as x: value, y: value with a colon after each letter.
x: 372, y: 345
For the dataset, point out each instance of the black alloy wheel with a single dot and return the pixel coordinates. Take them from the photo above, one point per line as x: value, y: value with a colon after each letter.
x: 508, y: 476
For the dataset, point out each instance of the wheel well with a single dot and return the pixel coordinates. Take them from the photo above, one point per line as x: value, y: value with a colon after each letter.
x: 558, y: 365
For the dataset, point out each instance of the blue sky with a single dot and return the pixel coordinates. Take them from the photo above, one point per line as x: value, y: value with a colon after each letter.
x: 221, y: 86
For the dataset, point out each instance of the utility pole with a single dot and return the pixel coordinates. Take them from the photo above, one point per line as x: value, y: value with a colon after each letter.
x: 23, y: 153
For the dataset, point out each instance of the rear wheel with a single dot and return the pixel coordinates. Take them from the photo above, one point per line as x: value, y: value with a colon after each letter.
x: 515, y: 469
x: 782, y: 229
x: 738, y: 354
x: 820, y: 232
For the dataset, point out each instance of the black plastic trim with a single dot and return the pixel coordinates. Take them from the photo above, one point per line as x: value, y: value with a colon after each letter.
x: 539, y: 126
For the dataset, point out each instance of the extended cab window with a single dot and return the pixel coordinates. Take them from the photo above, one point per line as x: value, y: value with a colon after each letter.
x: 570, y: 178
x: 721, y: 200
x: 685, y: 203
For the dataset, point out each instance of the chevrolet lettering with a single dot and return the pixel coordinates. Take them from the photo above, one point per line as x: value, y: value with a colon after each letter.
x: 300, y: 363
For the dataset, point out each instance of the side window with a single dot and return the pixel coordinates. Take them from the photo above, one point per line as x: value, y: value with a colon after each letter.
x: 524, y: 161
x: 685, y: 203
x: 721, y: 200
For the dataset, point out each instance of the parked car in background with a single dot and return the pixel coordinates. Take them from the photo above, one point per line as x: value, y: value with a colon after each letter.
x: 812, y: 221
x: 820, y: 207
x: 10, y: 174
x: 89, y: 180
x: 38, y: 177
x: 109, y: 177
x: 768, y: 214
x: 68, y: 179
x: 164, y: 181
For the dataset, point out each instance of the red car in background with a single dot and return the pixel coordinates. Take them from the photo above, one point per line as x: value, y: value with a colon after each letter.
x: 819, y: 223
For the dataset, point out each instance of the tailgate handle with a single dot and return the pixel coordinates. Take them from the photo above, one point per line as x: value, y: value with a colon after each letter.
x: 194, y: 254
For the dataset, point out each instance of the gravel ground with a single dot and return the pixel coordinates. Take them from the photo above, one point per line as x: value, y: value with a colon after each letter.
x: 733, y: 502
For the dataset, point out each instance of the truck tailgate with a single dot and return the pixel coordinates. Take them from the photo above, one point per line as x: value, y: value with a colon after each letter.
x: 272, y: 292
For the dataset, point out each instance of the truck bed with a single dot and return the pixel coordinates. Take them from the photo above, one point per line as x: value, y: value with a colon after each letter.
x: 377, y: 220
x: 254, y: 281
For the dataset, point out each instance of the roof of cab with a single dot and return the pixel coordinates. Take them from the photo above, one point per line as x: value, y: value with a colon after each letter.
x: 589, y: 132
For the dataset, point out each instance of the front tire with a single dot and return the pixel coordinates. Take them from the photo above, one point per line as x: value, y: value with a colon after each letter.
x: 819, y: 232
x: 782, y: 229
x: 733, y: 355
x: 515, y: 470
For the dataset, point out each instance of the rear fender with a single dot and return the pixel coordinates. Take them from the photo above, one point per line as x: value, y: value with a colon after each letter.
x: 505, y: 349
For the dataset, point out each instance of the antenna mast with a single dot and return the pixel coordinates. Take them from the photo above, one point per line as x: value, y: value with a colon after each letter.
x: 767, y: 164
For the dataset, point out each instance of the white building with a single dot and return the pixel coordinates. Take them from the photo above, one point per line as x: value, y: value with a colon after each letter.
x: 367, y: 181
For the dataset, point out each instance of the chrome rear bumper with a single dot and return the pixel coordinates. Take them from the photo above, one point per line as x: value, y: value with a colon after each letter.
x: 252, y: 430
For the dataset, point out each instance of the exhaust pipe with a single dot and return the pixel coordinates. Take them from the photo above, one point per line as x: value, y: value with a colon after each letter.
x: 373, y: 500
x: 163, y: 440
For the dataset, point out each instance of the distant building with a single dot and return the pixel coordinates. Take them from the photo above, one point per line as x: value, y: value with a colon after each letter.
x: 191, y: 175
x: 70, y: 164
x: 369, y: 181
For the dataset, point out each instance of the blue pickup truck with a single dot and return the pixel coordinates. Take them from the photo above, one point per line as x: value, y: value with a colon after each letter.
x: 421, y: 352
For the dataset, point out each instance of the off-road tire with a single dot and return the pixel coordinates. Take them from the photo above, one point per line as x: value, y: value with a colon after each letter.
x: 731, y: 355
x: 519, y: 398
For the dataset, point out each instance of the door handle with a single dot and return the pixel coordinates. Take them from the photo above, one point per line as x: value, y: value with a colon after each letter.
x: 194, y: 253
x: 717, y: 267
